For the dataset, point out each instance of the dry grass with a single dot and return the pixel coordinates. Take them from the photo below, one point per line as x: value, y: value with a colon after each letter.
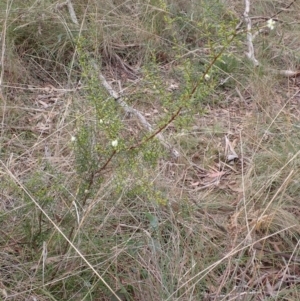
x: 148, y: 227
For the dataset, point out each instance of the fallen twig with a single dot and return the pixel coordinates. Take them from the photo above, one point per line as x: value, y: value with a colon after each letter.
x: 71, y: 10
x: 135, y: 112
x: 250, y: 53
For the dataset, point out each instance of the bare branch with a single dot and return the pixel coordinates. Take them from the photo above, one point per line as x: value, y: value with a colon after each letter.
x: 69, y: 4
x: 250, y: 53
x: 72, y: 12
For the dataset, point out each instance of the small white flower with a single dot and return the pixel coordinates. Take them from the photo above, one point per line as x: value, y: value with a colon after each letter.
x: 101, y: 121
x: 114, y: 143
x: 271, y: 24
x: 206, y: 77
x: 73, y: 138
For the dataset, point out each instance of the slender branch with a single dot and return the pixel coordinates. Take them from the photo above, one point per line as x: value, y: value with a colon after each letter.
x: 279, y: 12
x: 105, y: 164
x: 157, y: 133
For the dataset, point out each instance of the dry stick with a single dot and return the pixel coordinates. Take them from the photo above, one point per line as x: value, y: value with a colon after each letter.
x: 137, y: 113
x: 250, y: 53
x: 72, y: 12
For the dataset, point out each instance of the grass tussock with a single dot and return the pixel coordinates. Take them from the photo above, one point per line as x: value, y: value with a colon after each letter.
x: 94, y: 206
